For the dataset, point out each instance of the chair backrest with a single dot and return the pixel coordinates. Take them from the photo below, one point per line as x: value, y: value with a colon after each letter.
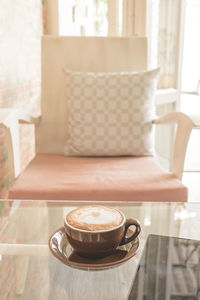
x: 91, y: 54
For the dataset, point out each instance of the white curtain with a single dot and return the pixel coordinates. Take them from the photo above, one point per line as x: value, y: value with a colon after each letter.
x: 159, y: 20
x: 168, y: 39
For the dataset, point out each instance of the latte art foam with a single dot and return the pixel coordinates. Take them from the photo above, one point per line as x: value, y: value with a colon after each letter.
x: 94, y: 218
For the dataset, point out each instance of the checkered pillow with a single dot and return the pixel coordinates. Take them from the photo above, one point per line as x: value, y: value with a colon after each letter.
x: 110, y: 114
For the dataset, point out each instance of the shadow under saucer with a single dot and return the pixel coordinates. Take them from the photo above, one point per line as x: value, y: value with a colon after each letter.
x: 62, y: 250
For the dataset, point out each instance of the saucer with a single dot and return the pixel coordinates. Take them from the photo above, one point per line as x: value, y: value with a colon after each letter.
x: 62, y: 250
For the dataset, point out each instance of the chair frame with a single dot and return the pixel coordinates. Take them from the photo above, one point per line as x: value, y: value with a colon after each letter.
x: 11, y: 118
x: 51, y: 140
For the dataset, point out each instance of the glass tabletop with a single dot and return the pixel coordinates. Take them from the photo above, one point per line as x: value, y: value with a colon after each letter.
x: 28, y: 270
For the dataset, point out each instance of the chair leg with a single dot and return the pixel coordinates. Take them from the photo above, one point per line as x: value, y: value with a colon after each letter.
x: 56, y: 218
x: 21, y: 264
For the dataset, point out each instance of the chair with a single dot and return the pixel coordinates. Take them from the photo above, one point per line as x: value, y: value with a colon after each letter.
x: 51, y: 175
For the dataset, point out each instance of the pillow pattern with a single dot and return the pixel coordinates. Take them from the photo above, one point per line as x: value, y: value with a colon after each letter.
x: 110, y: 114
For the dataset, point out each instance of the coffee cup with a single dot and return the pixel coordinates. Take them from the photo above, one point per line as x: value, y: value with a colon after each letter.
x: 96, y: 231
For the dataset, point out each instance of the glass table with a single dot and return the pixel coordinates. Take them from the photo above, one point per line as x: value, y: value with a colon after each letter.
x: 28, y: 270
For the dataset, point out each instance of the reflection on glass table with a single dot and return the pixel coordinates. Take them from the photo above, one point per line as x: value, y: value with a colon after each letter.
x: 30, y: 271
x: 169, y: 269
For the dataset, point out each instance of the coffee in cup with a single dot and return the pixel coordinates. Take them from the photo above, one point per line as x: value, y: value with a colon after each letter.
x: 96, y: 231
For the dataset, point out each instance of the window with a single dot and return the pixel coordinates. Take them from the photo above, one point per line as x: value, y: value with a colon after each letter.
x: 191, y: 53
x: 90, y: 17
x: 164, y: 24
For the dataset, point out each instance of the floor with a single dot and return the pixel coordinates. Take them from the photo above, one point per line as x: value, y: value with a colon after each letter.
x: 192, y: 181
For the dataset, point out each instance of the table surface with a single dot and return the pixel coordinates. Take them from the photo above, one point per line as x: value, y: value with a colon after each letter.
x: 30, y: 271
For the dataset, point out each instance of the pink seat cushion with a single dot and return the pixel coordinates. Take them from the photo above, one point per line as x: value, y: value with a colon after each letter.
x: 56, y: 177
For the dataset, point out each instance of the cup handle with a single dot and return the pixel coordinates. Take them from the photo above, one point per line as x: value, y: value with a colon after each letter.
x: 125, y: 240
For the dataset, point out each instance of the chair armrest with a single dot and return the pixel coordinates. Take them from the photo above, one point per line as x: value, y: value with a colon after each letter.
x: 23, y: 117
x: 178, y: 117
x: 185, y: 124
x: 196, y: 121
x: 9, y: 122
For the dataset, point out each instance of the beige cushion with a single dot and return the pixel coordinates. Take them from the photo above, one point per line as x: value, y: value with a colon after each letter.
x: 110, y: 114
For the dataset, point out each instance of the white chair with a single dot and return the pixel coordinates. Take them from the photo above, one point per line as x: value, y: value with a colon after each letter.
x: 51, y: 175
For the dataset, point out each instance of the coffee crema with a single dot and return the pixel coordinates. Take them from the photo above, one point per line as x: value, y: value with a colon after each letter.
x: 94, y: 218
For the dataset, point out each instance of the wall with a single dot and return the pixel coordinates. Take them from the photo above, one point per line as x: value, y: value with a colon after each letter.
x: 20, y: 35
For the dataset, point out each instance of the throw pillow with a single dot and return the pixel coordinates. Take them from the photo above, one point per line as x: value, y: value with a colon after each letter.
x: 110, y: 114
